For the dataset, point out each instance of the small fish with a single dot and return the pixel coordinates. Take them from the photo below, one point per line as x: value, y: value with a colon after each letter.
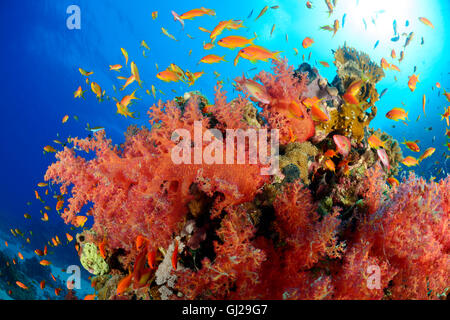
x: 384, y: 64
x: 424, y: 100
x: 273, y: 29
x: 154, y: 15
x: 365, y: 24
x: 384, y: 158
x: 335, y: 27
x: 176, y: 17
x: 376, y: 44
x: 125, y: 54
x: 308, y: 4
x: 287, y: 39
x: 204, y: 30
x: 427, y: 153
x: 330, y: 7
x: 411, y: 145
x: 343, y: 144
x: 343, y: 19
x: 49, y: 149
x: 85, y: 73
x: 393, y: 54
x: 232, y: 42
x: 115, y: 67
x: 422, y: 42
x: 93, y: 129
x: 20, y: 284
x: 402, y: 56
x: 394, y: 24
x: 412, y: 82
x: 79, y: 93
x: 330, y: 165
x: 45, y: 263
x: 144, y: 44
x: 394, y: 67
x: 327, y: 28
x: 307, y: 42
x: 375, y: 142
x: 393, y: 182
x: 65, y: 118
x: 407, y: 23
x: 212, y: 58
x: 383, y: 92
x: 426, y: 22
x: 262, y: 12
x: 409, y: 39
x: 395, y: 39
x: 350, y: 96
x: 410, y: 161
x: 397, y: 114
x: 165, y: 32
x: 324, y: 63
x: 251, y: 12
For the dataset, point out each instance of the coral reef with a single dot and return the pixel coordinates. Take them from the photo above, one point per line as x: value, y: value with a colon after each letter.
x: 91, y: 259
x: 322, y: 228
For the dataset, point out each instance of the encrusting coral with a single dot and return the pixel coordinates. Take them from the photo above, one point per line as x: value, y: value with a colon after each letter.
x: 316, y: 230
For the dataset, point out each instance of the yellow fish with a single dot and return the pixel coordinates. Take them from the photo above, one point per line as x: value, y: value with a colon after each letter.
x: 85, y: 73
x: 125, y: 54
x: 79, y: 93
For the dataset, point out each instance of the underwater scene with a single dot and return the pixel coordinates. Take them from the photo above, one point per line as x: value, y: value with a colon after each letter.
x: 225, y: 150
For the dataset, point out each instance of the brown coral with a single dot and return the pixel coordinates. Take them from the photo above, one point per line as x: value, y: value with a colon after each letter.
x: 300, y: 155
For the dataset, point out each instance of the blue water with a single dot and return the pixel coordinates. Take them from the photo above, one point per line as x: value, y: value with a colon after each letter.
x: 40, y: 58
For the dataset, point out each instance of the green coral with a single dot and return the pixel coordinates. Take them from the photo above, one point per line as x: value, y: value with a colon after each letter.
x: 299, y: 155
x: 92, y: 261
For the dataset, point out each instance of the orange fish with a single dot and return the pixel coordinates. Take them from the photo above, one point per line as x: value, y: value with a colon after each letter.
x: 427, y: 153
x: 446, y: 115
x: 45, y: 263
x: 191, y: 14
x: 438, y: 85
x: 447, y: 95
x: 325, y: 64
x: 212, y: 58
x: 58, y: 291
x: 412, y: 82
x: 39, y: 252
x: 424, y: 100
x: 42, y: 184
x: 394, y: 67
x: 330, y: 153
x: 129, y: 81
x: 393, y: 54
x: 20, y: 255
x: 124, y: 284
x: 208, y: 46
x: 6, y: 243
x: 397, y: 114
x: 45, y: 250
x: 78, y: 93
x: 233, y: 42
x: 219, y: 29
x: 319, y: 114
x: 426, y: 22
x: 256, y: 53
x: 412, y: 146
x: 115, y: 67
x: 154, y: 15
x: 69, y: 237
x: 53, y: 277
x: 90, y: 297
x: 410, y: 161
x: 45, y: 217
x: 20, y: 284
x: 393, y: 182
x: 168, y: 76
x: 330, y: 165
x: 352, y: 92
x: 59, y: 205
x: 384, y: 64
x: 101, y: 248
x: 375, y: 142
x: 49, y: 149
x: 80, y: 221
x: 65, y: 118
x: 307, y: 42
x: 42, y: 284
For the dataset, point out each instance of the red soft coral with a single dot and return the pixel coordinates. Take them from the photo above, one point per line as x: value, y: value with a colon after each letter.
x: 286, y: 112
